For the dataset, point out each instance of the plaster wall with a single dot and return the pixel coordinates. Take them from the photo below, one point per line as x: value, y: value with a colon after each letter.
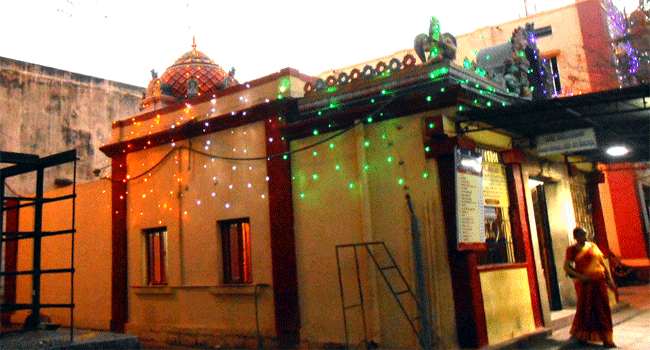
x: 362, y: 200
x: 45, y: 111
x: 566, y: 44
x: 92, y: 259
x: 188, y: 193
x: 627, y: 214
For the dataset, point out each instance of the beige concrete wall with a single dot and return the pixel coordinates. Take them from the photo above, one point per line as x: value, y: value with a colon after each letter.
x: 45, y: 111
x: 92, y: 257
x: 507, y: 304
x: 565, y: 43
x: 331, y: 212
x: 188, y: 193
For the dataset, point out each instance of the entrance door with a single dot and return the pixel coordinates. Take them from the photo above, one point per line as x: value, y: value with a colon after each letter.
x: 546, y: 246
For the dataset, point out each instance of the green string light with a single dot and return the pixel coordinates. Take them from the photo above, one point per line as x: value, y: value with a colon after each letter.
x: 369, y: 119
x: 315, y: 153
x: 372, y: 100
x: 400, y: 181
x: 427, y: 149
x: 383, y: 136
x: 285, y: 157
x: 366, y: 167
x: 331, y: 145
x: 315, y: 176
x: 337, y: 167
x: 279, y: 97
x: 302, y: 195
x: 438, y: 72
x: 390, y: 159
x: 432, y: 125
x: 425, y: 175
x: 428, y: 98
x: 367, y: 143
x: 351, y: 185
x: 315, y: 132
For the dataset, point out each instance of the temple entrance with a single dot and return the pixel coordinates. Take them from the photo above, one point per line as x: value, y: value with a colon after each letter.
x: 538, y: 194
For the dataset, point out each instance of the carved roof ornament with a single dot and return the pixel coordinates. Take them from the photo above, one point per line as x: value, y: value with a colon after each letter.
x: 440, y: 47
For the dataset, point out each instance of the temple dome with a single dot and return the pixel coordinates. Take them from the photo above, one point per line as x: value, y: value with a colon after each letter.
x: 193, y: 74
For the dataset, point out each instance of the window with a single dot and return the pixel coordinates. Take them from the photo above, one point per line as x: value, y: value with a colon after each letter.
x: 498, y: 231
x: 156, y: 246
x: 236, y: 248
x: 557, y: 86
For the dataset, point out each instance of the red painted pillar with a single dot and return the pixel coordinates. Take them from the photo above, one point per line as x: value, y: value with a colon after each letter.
x: 283, y: 244
x: 119, y: 296
x: 600, y: 234
x: 11, y: 258
x: 468, y: 296
x: 520, y: 229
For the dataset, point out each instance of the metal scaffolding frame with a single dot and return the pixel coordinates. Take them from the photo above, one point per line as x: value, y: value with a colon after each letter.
x: 24, y: 164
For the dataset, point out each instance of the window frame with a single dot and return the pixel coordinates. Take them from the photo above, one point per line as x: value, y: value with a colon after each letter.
x: 151, y: 265
x: 236, y: 251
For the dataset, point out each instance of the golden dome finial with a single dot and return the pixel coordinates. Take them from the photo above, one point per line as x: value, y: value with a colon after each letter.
x: 194, y: 44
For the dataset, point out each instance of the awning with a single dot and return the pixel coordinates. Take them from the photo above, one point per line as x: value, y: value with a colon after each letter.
x: 618, y: 117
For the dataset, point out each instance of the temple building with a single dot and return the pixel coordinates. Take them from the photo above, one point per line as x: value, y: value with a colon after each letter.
x: 414, y: 200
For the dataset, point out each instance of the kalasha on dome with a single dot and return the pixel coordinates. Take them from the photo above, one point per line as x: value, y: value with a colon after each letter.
x: 193, y: 74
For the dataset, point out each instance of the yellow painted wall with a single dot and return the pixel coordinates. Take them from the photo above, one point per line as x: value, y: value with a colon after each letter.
x: 328, y: 211
x: 92, y: 279
x: 508, y: 308
x: 188, y: 193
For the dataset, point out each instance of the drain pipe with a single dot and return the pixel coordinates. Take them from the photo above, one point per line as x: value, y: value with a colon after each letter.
x: 423, y: 299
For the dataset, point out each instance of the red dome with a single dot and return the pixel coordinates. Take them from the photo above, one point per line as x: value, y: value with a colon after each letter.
x: 194, y: 73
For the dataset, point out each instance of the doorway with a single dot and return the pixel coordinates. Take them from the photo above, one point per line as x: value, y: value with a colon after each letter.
x: 538, y: 194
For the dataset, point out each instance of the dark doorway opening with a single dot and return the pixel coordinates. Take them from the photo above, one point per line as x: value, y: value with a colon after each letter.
x: 546, y: 246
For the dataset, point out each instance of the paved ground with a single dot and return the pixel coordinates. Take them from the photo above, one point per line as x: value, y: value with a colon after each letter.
x: 631, y: 326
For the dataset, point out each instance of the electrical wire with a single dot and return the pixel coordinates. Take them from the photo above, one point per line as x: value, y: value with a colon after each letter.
x: 268, y: 157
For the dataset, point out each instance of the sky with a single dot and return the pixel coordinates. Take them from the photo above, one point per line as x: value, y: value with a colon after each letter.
x: 124, y: 40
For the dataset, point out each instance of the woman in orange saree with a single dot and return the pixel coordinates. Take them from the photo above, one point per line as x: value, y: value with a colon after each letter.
x: 585, y: 263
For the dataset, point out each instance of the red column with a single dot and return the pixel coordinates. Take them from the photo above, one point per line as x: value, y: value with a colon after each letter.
x: 466, y: 283
x: 600, y: 234
x: 283, y: 244
x: 520, y: 229
x: 119, y: 300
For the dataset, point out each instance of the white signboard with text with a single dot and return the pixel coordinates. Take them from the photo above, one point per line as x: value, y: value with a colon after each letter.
x: 567, y: 141
x: 469, y: 196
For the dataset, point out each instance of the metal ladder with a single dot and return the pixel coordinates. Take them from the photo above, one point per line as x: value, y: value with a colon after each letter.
x: 397, y: 282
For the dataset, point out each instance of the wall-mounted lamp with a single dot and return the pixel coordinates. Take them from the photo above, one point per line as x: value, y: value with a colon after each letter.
x: 617, y: 151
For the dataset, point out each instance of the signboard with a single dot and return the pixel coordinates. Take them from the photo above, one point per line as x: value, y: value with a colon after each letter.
x: 469, y: 196
x: 495, y: 186
x: 568, y: 141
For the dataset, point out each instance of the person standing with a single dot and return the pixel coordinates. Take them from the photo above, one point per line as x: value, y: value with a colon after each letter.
x: 585, y: 264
